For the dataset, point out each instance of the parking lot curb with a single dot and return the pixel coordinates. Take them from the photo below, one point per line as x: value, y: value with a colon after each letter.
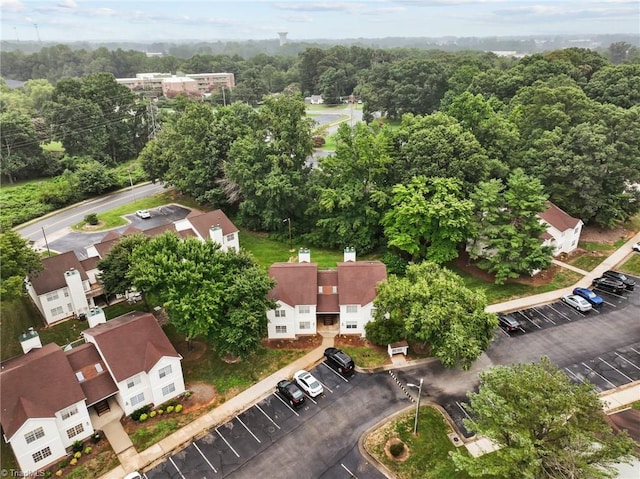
x: 390, y: 367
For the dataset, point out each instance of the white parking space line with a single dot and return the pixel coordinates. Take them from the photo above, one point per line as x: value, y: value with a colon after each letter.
x: 204, y: 457
x: 575, y: 376
x: 463, y: 409
x: 335, y: 372
x: 282, y: 401
x: 249, y: 430
x: 348, y: 471
x: 560, y: 313
x: 609, y: 304
x: 637, y: 352
x: 325, y: 387
x: 598, y: 374
x: 625, y: 359
x: 543, y: 315
x: 527, y: 318
x: 615, y: 369
x: 227, y: 443
x: 309, y: 398
x: 174, y: 465
x: 267, y: 416
x: 503, y: 332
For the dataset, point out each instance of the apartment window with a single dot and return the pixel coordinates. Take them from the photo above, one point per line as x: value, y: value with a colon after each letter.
x: 137, y: 399
x: 304, y: 309
x: 305, y: 324
x: 79, y: 376
x: 280, y: 313
x: 40, y: 455
x: 133, y: 381
x: 66, y: 293
x: 70, y: 307
x: 70, y: 411
x: 75, y: 430
x: 230, y: 237
x: 52, y: 296
x: 57, y: 311
x: 33, y: 435
x: 334, y: 289
x: 577, y: 230
x: 352, y: 324
x: 165, y: 371
x: 99, y: 368
x: 352, y: 308
x: 168, y: 389
x: 281, y: 329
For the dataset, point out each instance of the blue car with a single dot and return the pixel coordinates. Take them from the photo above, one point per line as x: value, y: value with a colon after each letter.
x: 589, y: 295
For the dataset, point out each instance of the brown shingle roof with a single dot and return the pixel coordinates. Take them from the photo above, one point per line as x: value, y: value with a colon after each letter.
x: 296, y: 283
x: 36, y: 385
x: 187, y: 234
x: 203, y: 222
x: 557, y: 218
x: 357, y: 281
x: 111, y: 235
x: 327, y: 301
x: 131, y: 343
x: 90, y: 263
x: 158, y: 230
x: 104, y: 247
x: 51, y: 278
x: 130, y: 230
x: 97, y: 385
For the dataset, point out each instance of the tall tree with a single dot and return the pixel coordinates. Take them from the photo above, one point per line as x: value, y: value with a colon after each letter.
x: 269, y: 167
x: 351, y: 187
x: 507, y: 229
x: 20, y: 152
x: 546, y: 427
x: 432, y: 305
x: 114, y: 267
x: 221, y: 296
x: 18, y: 260
x: 428, y: 218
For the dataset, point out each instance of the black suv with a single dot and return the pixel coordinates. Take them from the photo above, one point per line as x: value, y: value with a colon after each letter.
x: 628, y: 282
x: 340, y: 361
x: 609, y: 284
x: 508, y: 322
x: 291, y: 392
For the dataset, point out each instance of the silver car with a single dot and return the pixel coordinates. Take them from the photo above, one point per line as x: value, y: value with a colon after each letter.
x: 308, y: 383
x: 577, y: 302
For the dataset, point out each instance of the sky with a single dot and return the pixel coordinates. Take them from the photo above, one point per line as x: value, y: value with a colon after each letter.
x: 210, y: 20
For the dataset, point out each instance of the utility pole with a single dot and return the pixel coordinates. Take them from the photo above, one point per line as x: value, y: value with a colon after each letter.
x: 46, y: 242
x: 288, y: 220
x: 415, y: 423
x: 224, y: 100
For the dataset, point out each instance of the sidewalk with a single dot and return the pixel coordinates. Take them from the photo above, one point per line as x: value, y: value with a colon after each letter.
x: 130, y: 460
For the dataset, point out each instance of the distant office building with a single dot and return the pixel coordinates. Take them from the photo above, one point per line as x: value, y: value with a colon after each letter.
x: 194, y: 84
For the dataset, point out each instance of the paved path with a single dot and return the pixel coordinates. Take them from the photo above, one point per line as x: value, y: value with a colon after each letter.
x: 131, y: 460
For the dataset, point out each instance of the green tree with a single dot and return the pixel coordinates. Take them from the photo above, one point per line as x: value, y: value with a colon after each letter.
x: 428, y: 218
x: 269, y: 167
x: 618, y: 85
x: 114, y: 267
x: 352, y: 189
x: 332, y: 85
x: 507, y: 229
x: 545, y: 426
x: 94, y: 178
x: 436, y: 309
x: 206, y: 292
x: 18, y: 261
x: 20, y: 152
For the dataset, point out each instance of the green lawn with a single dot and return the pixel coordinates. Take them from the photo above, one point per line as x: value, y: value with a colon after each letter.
x: 429, y: 450
x: 366, y: 357
x: 632, y: 265
x: 499, y: 293
x: 17, y: 316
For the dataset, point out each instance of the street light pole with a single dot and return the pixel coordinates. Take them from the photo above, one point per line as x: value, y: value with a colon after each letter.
x: 288, y: 220
x: 415, y: 423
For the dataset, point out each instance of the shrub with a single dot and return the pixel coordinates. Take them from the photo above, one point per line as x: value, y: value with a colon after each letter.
x: 178, y: 408
x: 143, y: 417
x: 152, y: 414
x: 170, y: 409
x: 87, y: 450
x: 91, y: 218
x: 396, y: 449
x: 62, y: 464
x: 135, y: 415
x: 77, y: 455
x: 96, y: 438
x: 47, y: 474
x: 73, y: 461
x: 160, y: 411
x: 59, y: 472
x: 77, y: 446
x: 318, y: 141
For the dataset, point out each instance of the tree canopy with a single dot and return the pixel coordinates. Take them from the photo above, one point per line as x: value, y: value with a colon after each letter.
x: 546, y: 427
x: 18, y: 261
x: 114, y: 267
x: 432, y: 306
x: 221, y: 296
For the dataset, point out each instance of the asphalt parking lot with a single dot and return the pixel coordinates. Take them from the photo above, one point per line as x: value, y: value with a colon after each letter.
x: 272, y: 435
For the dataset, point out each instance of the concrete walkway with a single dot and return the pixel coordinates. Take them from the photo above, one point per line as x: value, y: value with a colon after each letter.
x: 131, y: 460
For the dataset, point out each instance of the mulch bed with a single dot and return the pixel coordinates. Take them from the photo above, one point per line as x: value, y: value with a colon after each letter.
x: 303, y: 342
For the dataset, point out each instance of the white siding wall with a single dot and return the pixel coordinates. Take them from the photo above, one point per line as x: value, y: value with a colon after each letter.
x: 24, y: 451
x: 157, y: 383
x: 304, y: 319
x: 77, y: 288
x: 55, y: 305
x: 81, y: 417
x: 126, y: 393
x: 356, y: 320
x: 275, y: 323
x: 231, y: 241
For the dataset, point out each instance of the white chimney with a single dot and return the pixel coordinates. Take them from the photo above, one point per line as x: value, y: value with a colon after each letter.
x: 304, y: 255
x: 349, y: 254
x: 30, y: 340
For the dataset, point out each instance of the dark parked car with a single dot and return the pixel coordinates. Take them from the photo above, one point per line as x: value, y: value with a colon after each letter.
x: 593, y: 298
x: 609, y: 284
x: 290, y: 392
x: 508, y: 322
x: 340, y: 361
x: 628, y: 282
